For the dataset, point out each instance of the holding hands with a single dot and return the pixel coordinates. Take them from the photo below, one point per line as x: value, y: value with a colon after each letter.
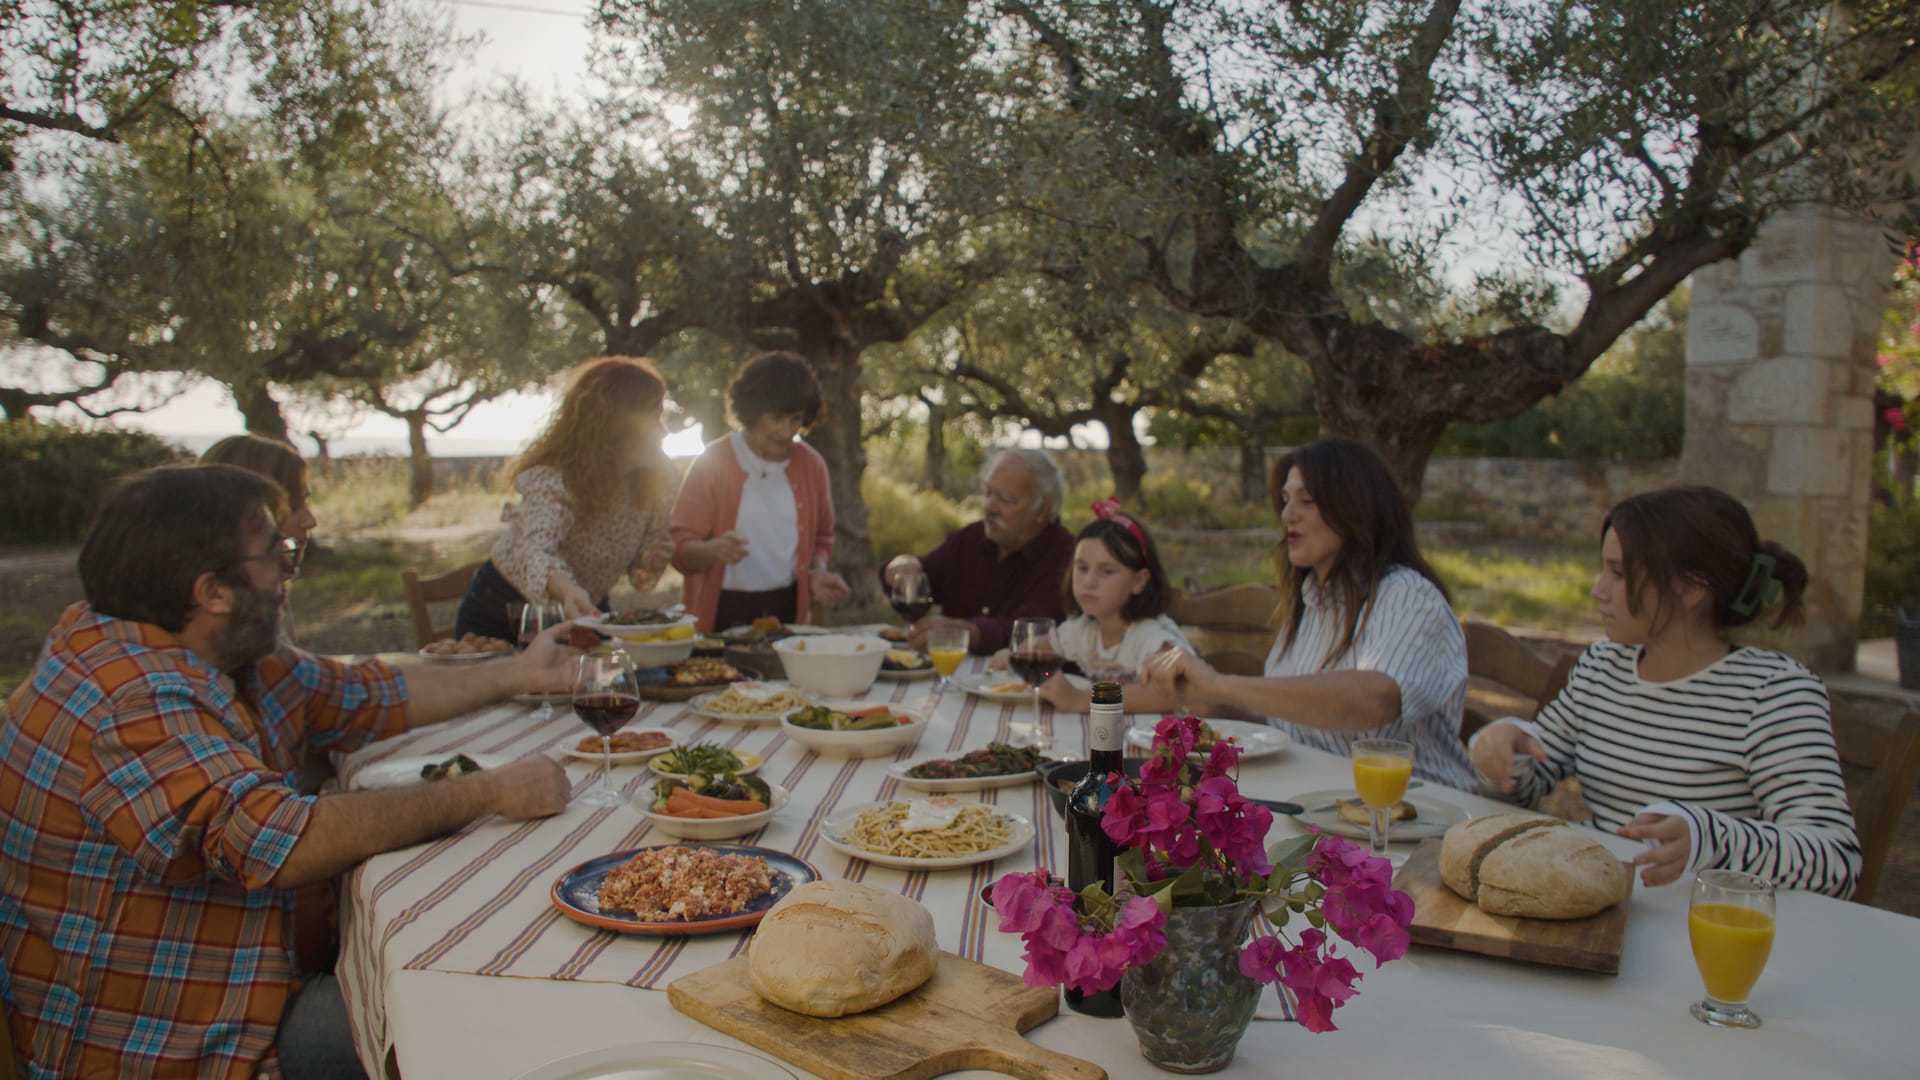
x: 1176, y: 670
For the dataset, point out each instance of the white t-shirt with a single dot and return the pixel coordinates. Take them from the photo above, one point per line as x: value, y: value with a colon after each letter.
x: 1078, y: 640
x: 769, y: 519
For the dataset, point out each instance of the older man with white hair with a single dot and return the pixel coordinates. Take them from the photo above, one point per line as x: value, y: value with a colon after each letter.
x: 1006, y: 566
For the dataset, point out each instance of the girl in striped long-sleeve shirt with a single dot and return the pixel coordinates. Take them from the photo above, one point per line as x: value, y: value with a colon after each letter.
x: 1715, y: 754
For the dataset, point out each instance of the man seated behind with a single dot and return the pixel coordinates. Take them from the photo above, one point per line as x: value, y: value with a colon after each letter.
x: 151, y: 844
x: 1006, y: 566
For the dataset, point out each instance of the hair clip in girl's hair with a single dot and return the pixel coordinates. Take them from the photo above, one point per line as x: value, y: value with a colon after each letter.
x: 1761, y: 588
x: 1108, y: 509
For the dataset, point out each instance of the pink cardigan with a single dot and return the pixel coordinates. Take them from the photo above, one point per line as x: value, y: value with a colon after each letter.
x: 709, y: 504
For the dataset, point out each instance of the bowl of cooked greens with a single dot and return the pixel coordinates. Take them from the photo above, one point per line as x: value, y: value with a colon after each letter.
x: 710, y: 807
x: 853, y: 728
x: 705, y: 759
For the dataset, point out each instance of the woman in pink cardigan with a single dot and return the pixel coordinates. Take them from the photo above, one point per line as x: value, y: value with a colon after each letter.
x: 753, y: 527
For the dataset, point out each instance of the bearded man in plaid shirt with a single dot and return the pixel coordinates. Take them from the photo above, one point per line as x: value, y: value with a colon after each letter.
x: 150, y: 843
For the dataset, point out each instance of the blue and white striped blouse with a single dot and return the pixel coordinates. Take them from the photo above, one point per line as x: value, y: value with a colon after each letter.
x: 1413, y: 637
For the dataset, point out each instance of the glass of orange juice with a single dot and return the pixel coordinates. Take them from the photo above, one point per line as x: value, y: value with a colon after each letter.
x: 1730, y: 919
x: 946, y: 647
x: 1381, y: 771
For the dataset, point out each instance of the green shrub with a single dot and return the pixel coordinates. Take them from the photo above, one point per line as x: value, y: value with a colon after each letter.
x: 904, y: 518
x: 52, y: 475
x: 1893, y: 566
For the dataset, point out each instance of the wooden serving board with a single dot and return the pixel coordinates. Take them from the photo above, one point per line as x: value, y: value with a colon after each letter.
x: 968, y: 1016
x: 1445, y: 921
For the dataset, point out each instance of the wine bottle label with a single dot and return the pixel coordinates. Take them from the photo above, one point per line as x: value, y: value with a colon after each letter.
x: 1105, y: 730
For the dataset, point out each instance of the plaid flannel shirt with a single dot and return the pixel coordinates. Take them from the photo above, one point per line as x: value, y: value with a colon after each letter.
x: 144, y: 807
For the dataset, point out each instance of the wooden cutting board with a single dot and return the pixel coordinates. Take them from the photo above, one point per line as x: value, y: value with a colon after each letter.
x: 1445, y: 921
x: 968, y: 1016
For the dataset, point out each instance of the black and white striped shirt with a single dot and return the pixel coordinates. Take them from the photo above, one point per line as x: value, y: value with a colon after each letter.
x: 1742, y: 749
x: 1414, y: 638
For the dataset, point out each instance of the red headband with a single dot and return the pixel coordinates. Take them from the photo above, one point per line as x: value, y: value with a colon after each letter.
x: 1108, y: 509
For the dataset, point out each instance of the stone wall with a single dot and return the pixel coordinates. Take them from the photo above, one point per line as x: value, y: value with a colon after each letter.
x: 1536, y: 499
x: 1780, y: 373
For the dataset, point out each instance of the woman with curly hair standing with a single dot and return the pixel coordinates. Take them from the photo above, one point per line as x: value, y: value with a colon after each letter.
x: 753, y: 527
x: 595, y: 490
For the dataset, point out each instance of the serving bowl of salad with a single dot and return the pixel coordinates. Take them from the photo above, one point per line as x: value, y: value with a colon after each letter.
x: 853, y: 728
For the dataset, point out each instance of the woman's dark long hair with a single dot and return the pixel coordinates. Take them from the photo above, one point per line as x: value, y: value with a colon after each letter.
x: 1358, y: 499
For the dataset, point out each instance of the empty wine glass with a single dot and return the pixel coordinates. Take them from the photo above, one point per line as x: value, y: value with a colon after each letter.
x: 605, y: 695
x: 534, y: 617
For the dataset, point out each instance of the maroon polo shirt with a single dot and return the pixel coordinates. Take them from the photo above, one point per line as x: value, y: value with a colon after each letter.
x: 971, y: 581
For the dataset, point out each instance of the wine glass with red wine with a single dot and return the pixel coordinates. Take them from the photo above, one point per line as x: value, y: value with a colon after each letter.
x: 605, y: 695
x: 911, y: 596
x: 1031, y: 655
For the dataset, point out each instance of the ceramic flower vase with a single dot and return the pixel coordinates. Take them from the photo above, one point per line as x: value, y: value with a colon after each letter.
x: 1190, y: 1004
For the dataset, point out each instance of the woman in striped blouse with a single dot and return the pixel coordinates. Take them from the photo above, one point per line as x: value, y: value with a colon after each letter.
x: 1715, y: 754
x: 1369, y: 646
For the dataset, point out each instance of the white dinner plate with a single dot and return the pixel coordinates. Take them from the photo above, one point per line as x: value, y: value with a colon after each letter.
x: 834, y: 829
x: 907, y: 675
x: 401, y: 771
x: 980, y: 684
x: 1255, y: 740
x: 463, y: 658
x: 898, y: 770
x: 1433, y: 817
x: 634, y: 757
x: 699, y: 706
x: 659, y: 1061
x: 621, y: 630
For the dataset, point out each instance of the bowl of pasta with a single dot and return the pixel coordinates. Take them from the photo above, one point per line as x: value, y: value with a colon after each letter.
x: 853, y: 729
x: 834, y: 665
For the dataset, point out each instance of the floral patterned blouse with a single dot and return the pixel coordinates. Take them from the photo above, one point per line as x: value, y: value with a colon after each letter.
x: 545, y: 533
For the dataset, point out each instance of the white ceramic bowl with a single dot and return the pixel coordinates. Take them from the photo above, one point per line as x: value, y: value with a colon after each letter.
x: 832, y: 665
x: 710, y: 828
x: 648, y: 653
x: 857, y: 744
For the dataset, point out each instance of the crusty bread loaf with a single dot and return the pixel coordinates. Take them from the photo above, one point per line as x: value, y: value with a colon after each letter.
x: 1567, y: 800
x: 1529, y: 865
x: 830, y: 948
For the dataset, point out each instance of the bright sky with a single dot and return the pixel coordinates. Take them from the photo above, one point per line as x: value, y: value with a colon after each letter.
x: 544, y: 43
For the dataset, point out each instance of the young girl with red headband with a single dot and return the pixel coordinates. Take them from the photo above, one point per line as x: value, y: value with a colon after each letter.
x: 1116, y: 595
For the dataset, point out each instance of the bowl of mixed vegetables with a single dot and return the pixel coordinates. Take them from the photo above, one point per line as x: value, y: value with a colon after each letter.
x: 853, y: 728
x: 705, y: 759
x: 704, y: 807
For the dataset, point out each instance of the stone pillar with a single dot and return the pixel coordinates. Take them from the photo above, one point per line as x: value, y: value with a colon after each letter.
x: 1780, y: 373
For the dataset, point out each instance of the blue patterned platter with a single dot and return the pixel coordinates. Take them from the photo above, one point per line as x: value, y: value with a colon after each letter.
x: 577, y: 893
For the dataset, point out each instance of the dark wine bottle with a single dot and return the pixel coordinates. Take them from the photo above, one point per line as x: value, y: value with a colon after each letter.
x: 1090, y: 851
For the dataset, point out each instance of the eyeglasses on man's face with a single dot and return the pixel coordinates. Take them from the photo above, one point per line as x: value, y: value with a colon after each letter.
x: 284, y: 548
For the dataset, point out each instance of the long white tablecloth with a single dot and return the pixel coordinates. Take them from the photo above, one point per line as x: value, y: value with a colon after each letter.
x: 454, y: 958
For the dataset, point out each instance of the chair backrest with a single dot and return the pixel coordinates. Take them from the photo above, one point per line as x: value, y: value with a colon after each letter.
x: 1237, y: 617
x: 1499, y: 657
x: 423, y: 591
x: 1893, y: 753
x: 1236, y: 662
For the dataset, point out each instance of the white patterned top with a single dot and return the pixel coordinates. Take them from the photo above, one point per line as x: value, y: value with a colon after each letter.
x: 544, y: 532
x: 1414, y: 638
x: 1078, y: 640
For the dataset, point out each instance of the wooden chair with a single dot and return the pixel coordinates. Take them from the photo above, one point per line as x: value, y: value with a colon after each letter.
x: 1234, y: 618
x: 1499, y: 657
x: 451, y: 585
x: 1893, y: 753
x: 1236, y: 662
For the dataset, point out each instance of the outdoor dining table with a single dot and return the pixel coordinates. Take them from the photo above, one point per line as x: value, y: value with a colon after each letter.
x: 455, y: 962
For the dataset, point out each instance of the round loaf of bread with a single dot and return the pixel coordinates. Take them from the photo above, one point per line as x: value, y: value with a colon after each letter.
x: 831, y: 948
x: 1532, y: 866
